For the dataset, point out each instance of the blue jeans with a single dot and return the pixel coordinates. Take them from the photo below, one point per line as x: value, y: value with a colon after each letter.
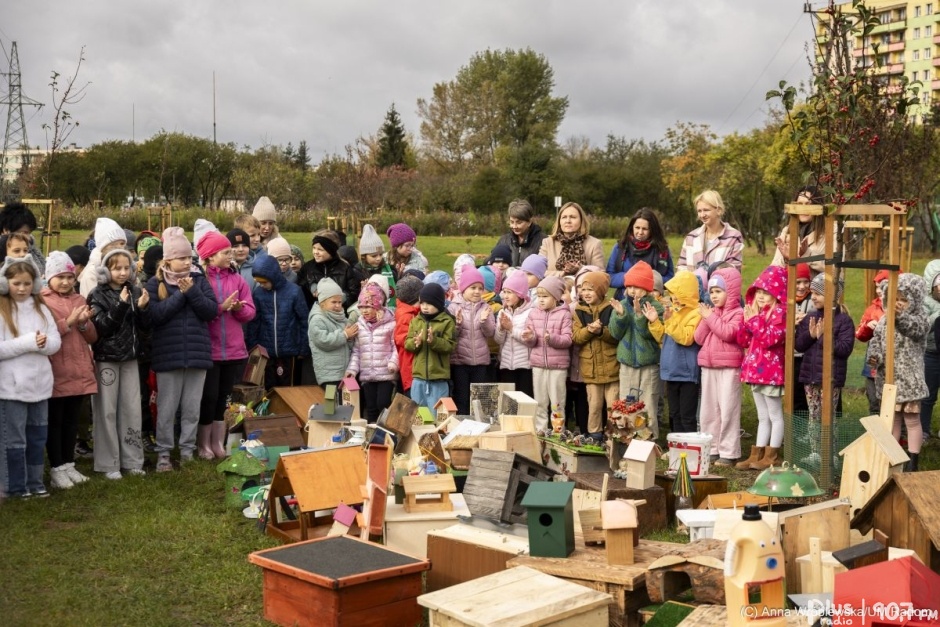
x: 23, y: 430
x: 427, y: 393
x: 932, y: 375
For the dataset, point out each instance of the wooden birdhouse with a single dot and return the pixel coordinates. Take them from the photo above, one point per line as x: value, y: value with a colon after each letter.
x: 329, y: 400
x: 445, y: 408
x: 517, y: 404
x: 497, y: 483
x: 619, y: 521
x: 640, y: 461
x: 551, y: 518
x: 349, y: 394
x: 868, y: 462
x: 254, y: 369
x: 425, y: 417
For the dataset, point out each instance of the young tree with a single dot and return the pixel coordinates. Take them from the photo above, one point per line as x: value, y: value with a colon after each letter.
x: 393, y: 146
x: 64, y: 97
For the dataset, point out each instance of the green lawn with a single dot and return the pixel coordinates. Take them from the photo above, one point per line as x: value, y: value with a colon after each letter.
x: 163, y: 550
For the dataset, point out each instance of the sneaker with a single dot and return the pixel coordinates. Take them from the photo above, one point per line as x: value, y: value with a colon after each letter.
x: 40, y: 492
x: 164, y: 464
x: 22, y: 496
x: 60, y: 478
x: 75, y: 476
x: 136, y: 471
x: 150, y: 443
x: 83, y: 449
x: 114, y: 475
x: 721, y: 461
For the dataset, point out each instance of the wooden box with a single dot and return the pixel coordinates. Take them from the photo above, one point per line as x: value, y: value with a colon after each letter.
x: 276, y: 430
x: 509, y: 598
x: 497, y: 481
x: 461, y: 553
x: 828, y: 521
x: 652, y: 516
x: 566, y: 459
x: 408, y: 532
x: 340, y: 581
x: 295, y: 401
x: 517, y: 404
x: 523, y: 442
x: 400, y: 416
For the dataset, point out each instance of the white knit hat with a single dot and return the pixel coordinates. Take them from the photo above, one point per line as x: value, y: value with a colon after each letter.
x: 107, y: 231
x: 264, y: 210
x: 58, y: 263
x: 370, y: 243
x: 201, y: 227
x: 279, y: 247
x: 382, y: 281
x: 327, y: 288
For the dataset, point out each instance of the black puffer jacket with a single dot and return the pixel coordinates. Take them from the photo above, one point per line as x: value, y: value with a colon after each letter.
x: 521, y: 250
x: 121, y: 326
x: 345, y: 276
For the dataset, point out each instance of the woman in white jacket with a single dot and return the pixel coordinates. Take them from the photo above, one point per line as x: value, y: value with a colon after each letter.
x: 514, y: 364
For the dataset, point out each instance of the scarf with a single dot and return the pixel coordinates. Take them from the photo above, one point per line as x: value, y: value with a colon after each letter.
x: 173, y: 278
x: 640, y: 245
x: 572, y: 249
x: 335, y: 316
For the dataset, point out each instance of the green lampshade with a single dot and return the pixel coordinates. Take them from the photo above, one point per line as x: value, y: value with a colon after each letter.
x: 785, y: 482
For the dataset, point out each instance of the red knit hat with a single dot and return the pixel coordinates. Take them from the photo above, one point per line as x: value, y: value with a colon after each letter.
x: 211, y: 243
x: 882, y: 275
x: 802, y: 271
x: 639, y: 275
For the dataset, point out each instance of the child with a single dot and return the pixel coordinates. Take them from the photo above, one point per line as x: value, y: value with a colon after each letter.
x: 280, y: 323
x: 266, y: 215
x: 804, y: 305
x: 534, y: 267
x: 432, y: 336
x: 576, y: 398
x: 514, y: 364
x: 911, y: 329
x: 475, y: 323
x: 763, y: 336
x: 241, y: 251
x: 28, y: 336
x: 120, y: 313
x: 548, y: 335
x: 279, y: 249
x: 296, y: 258
x: 932, y: 352
x: 679, y: 357
x: 500, y: 259
x: 866, y: 329
x: 374, y: 357
x: 408, y: 289
x: 181, y: 305
x: 15, y: 217
x: 443, y: 279
x: 331, y: 335
x: 720, y: 358
x: 403, y: 255
x: 372, y: 260
x: 598, y: 352
x: 73, y: 368
x: 638, y: 351
x: 229, y: 353
x: 108, y: 236
x: 249, y: 225
x: 327, y: 263
x: 16, y: 245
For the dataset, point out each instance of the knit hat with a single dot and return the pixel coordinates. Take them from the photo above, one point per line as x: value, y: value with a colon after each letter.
x: 175, y: 244
x: 211, y: 243
x: 553, y: 285
x: 818, y: 286
x: 717, y: 281
x: 264, y: 210
x: 639, y: 275
x: 296, y: 252
x: 327, y: 288
x: 400, y: 233
x: 579, y: 275
x: 432, y: 294
x: 882, y: 275
x: 407, y: 289
x: 130, y: 239
x: 381, y: 281
x: 468, y: 277
x: 146, y: 242
x: 371, y: 296
x: 78, y: 254
x: 535, y: 265
x: 501, y: 253
x: 278, y: 247
x: 492, y: 279
x: 326, y: 244
x: 415, y: 273
x: 440, y: 277
x: 802, y: 272
x: 107, y: 231
x: 599, y: 282
x: 151, y: 258
x: 238, y: 237
x: 518, y: 284
x: 201, y: 227
x: 657, y: 282
x: 58, y: 263
x: 370, y: 243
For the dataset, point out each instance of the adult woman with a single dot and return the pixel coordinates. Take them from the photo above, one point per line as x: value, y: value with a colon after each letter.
x: 643, y: 240
x: 811, y: 230
x: 713, y: 242
x: 524, y: 237
x: 570, y: 247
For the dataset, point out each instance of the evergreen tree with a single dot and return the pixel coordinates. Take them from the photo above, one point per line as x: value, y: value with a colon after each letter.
x: 302, y: 157
x: 392, y: 143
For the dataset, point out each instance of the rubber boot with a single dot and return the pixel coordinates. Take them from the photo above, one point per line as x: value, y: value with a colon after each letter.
x: 203, y: 443
x: 756, y: 453
x: 912, y: 465
x: 771, y: 457
x: 217, y: 439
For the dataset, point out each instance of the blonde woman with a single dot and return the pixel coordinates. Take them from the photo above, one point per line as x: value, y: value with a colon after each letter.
x: 713, y: 242
x: 570, y: 247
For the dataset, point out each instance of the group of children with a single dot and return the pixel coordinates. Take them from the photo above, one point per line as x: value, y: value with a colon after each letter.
x: 127, y: 323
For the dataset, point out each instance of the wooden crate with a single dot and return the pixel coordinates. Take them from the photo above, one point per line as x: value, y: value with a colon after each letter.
x: 518, y: 596
x: 276, y: 430
x: 651, y: 516
x: 523, y: 442
x: 828, y: 521
x: 340, y: 581
x: 461, y: 553
x: 497, y: 481
x: 567, y: 459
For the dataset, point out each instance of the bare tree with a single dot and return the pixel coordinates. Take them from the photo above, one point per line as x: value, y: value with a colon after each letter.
x: 65, y: 95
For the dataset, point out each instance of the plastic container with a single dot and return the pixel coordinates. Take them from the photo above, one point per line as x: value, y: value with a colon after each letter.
x: 696, y: 446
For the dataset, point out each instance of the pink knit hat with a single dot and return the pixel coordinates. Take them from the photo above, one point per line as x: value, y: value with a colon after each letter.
x: 371, y: 296
x: 210, y: 243
x: 175, y: 244
x: 518, y: 284
x: 468, y: 276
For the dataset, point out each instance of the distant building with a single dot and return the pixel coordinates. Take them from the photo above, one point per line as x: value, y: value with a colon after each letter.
x: 16, y: 158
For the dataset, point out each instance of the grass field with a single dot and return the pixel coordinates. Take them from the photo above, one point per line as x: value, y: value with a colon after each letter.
x: 163, y: 550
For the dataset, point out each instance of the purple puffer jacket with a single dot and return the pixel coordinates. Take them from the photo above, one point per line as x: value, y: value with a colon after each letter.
x: 226, y: 331
x: 843, y: 341
x: 472, y: 349
x: 375, y: 350
x: 554, y: 354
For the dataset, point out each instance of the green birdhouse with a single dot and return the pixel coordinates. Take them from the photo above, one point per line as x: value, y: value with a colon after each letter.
x: 550, y: 518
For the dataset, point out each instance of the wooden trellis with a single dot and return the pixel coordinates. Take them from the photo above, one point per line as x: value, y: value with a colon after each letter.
x: 164, y: 213
x: 50, y: 230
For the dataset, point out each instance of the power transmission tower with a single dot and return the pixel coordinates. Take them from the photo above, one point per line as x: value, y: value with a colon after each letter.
x: 15, y: 136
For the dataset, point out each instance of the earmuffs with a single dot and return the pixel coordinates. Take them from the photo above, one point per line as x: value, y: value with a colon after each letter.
x: 5, y: 283
x: 104, y: 273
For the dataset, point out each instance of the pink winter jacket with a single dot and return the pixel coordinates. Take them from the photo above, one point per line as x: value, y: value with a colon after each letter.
x: 73, y: 367
x: 717, y: 334
x: 472, y: 349
x: 764, y: 335
x: 513, y: 351
x: 374, y: 350
x: 226, y: 330
x: 554, y: 354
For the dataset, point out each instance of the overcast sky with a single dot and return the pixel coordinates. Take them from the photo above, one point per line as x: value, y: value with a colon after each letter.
x: 326, y: 72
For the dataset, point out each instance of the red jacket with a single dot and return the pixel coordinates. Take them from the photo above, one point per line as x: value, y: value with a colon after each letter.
x: 403, y: 316
x: 875, y: 311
